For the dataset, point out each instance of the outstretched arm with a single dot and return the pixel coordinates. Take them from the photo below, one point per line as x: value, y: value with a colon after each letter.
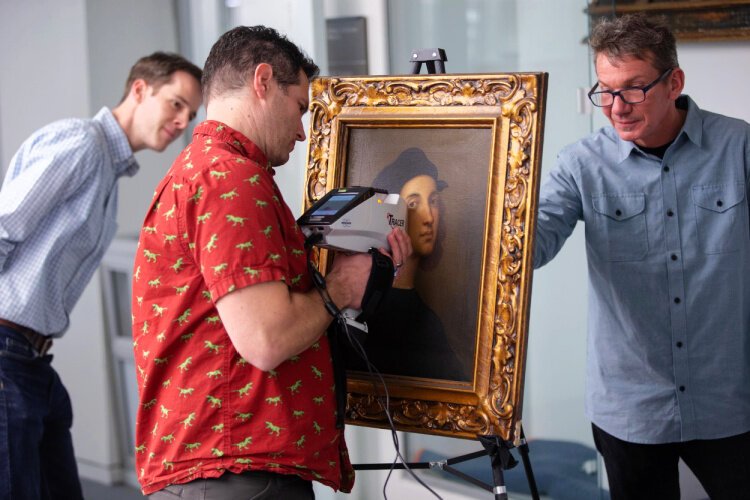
x: 559, y: 210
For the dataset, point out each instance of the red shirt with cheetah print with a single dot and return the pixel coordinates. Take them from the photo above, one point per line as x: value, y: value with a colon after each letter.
x: 218, y: 223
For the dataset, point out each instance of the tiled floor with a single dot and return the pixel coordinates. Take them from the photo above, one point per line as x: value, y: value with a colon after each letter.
x: 97, y: 491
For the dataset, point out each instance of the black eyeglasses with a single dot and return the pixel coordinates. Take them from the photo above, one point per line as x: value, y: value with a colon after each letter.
x: 630, y: 95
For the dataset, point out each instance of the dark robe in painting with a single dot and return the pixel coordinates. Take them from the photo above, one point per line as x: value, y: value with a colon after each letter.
x: 406, y: 338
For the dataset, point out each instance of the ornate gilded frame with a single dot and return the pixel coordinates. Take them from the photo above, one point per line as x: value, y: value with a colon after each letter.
x: 512, y: 106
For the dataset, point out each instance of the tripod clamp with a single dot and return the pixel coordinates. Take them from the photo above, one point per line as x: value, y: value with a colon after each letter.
x: 434, y: 59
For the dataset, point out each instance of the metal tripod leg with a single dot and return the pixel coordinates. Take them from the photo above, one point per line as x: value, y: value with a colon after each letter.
x: 523, y: 449
x: 500, y: 458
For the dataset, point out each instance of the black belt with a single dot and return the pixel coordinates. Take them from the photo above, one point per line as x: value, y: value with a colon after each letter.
x: 40, y: 343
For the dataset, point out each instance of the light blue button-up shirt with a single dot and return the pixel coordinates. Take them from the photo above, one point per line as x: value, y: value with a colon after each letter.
x: 58, y: 208
x: 668, y: 247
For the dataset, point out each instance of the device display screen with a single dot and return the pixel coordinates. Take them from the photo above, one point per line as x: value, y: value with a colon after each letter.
x: 334, y: 204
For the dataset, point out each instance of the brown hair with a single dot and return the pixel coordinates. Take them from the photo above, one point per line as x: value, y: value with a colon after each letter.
x: 637, y: 36
x: 158, y: 68
x: 237, y: 53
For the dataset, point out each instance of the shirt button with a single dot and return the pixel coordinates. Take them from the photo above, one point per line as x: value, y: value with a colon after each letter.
x: 682, y: 388
x: 677, y: 300
x: 666, y: 168
x: 719, y: 203
x: 673, y: 257
x: 670, y: 213
x: 679, y: 344
x: 618, y: 212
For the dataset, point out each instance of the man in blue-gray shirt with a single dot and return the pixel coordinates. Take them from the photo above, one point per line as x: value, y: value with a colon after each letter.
x: 663, y: 194
x: 58, y: 209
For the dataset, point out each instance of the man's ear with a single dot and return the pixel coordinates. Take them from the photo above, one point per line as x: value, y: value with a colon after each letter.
x: 138, y: 89
x: 262, y: 79
x: 676, y: 83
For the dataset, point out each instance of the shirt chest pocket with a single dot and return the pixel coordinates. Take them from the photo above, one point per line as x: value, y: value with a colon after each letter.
x: 721, y: 215
x: 617, y: 230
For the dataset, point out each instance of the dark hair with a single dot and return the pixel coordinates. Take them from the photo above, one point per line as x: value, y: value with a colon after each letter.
x: 237, y: 53
x: 648, y: 39
x: 409, y: 164
x: 158, y: 68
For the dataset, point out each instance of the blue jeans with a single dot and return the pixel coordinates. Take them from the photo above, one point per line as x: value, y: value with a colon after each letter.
x: 36, y: 448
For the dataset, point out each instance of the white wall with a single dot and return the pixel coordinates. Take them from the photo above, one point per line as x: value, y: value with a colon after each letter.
x: 42, y: 67
x: 716, y: 75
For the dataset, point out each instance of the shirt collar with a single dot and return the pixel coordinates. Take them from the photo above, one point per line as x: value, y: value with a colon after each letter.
x: 236, y: 140
x: 692, y: 128
x: 119, y: 148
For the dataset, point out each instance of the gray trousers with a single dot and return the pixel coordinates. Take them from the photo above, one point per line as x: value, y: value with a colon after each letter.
x: 251, y: 485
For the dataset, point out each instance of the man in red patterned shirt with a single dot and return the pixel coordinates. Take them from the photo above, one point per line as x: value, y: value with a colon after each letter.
x: 234, y: 370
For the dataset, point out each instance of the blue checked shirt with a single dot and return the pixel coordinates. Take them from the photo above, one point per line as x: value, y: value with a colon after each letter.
x: 58, y: 209
x: 668, y: 248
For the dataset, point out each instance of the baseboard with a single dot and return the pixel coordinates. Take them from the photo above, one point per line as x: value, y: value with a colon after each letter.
x: 101, y: 473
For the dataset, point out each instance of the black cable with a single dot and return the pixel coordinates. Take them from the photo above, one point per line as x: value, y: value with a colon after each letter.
x: 373, y: 371
x: 333, y: 310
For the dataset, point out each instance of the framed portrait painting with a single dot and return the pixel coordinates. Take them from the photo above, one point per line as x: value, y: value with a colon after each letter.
x: 464, y: 153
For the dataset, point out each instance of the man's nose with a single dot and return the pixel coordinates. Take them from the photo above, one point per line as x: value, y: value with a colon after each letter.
x: 301, y: 132
x: 619, y: 106
x: 427, y: 216
x: 182, y: 119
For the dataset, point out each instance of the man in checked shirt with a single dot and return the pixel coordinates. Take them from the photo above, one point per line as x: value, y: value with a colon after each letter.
x: 58, y: 208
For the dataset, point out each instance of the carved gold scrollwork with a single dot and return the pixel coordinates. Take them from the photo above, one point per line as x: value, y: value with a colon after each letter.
x: 518, y: 98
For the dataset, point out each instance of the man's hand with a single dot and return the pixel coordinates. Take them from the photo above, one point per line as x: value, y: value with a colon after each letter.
x: 347, y: 280
x: 401, y: 247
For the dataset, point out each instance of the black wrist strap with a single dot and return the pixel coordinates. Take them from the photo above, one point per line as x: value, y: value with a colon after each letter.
x: 320, y: 284
x: 378, y: 284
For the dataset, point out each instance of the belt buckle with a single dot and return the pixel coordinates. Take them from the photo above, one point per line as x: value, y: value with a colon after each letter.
x: 45, y: 347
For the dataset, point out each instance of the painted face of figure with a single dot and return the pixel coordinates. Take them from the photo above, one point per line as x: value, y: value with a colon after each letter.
x: 421, y: 196
x: 648, y: 123
x: 164, y: 113
x: 284, y: 120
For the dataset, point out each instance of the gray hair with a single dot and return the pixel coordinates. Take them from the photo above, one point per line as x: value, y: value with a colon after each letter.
x: 637, y: 36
